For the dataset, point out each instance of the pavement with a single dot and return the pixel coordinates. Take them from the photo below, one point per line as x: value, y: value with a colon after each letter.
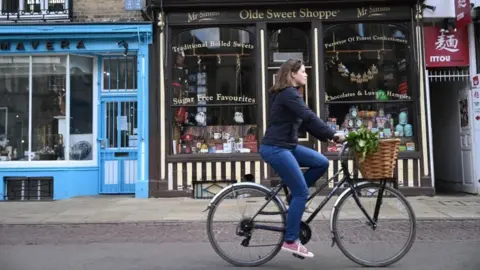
x: 124, y: 209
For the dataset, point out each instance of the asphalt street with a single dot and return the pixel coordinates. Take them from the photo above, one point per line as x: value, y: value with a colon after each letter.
x: 440, y: 244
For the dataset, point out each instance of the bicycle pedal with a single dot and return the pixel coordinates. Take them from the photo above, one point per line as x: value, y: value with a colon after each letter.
x: 298, y: 257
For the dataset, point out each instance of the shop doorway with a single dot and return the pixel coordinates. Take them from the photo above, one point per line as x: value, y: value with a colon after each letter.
x: 119, y: 125
x: 450, y: 101
x: 292, y: 41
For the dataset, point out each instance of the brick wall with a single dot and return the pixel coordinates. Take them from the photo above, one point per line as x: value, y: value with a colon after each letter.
x: 103, y: 11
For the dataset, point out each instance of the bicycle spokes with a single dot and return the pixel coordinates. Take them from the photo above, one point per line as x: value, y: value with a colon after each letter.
x: 374, y: 226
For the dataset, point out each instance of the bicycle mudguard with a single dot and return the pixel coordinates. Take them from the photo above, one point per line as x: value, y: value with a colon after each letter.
x: 237, y: 185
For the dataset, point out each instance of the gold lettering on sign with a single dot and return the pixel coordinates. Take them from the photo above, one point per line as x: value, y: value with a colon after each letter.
x: 217, y: 97
x: 281, y: 14
x: 248, y: 14
x: 372, y: 11
x: 200, y: 16
x: 318, y: 14
x: 255, y: 14
x: 213, y: 43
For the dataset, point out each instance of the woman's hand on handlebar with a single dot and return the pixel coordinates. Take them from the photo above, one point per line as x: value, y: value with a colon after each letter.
x: 339, y: 138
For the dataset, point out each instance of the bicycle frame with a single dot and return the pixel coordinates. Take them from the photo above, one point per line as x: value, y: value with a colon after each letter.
x: 346, y: 179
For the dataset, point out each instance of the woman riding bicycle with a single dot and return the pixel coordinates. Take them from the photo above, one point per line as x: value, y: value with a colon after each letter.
x: 279, y: 147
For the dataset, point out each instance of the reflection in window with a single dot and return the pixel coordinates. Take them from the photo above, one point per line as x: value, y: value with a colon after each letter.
x: 366, y: 62
x: 46, y: 140
x: 213, y: 91
x: 81, y: 108
x: 14, y: 97
x: 367, y: 81
x: 288, y: 43
x: 49, y: 75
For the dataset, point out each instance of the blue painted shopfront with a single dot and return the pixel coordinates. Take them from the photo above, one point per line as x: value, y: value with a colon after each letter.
x: 109, y: 62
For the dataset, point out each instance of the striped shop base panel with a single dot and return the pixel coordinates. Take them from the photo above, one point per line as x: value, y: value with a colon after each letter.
x: 182, y: 174
x: 407, y: 172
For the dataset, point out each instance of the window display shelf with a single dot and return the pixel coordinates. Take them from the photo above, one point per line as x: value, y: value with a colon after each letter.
x: 233, y: 157
x: 368, y: 101
x: 401, y: 155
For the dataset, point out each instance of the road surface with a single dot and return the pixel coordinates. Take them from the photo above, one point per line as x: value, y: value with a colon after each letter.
x: 439, y: 245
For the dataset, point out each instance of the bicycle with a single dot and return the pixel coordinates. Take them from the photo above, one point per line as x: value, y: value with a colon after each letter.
x: 247, y: 225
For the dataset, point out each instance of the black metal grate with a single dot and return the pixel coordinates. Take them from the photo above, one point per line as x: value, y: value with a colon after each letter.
x: 28, y: 188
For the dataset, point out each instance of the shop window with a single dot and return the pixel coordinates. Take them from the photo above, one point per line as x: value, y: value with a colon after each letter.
x: 367, y: 80
x: 213, y: 91
x: 288, y: 43
x: 36, y: 105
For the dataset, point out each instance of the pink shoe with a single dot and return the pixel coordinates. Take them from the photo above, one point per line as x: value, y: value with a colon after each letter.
x: 297, y: 248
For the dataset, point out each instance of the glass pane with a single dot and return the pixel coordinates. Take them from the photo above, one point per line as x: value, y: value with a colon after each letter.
x: 120, y: 73
x: 9, y: 6
x: 390, y: 119
x: 289, y: 43
x: 56, y: 5
x: 81, y: 108
x: 129, y: 132
x: 121, y: 129
x: 32, y: 6
x: 14, y: 96
x: 216, y: 67
x: 366, y: 61
x: 226, y: 129
x: 48, y: 107
x: 111, y: 116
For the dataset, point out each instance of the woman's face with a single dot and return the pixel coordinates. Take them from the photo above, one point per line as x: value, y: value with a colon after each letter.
x: 300, y: 77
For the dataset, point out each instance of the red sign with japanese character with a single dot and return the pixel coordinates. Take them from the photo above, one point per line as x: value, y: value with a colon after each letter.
x: 463, y: 14
x: 443, y: 49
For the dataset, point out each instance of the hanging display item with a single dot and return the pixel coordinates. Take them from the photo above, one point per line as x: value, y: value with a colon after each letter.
x: 201, y: 119
x: 238, y: 118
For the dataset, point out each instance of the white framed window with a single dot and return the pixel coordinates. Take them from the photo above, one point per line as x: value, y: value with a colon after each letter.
x: 51, y: 113
x: 34, y: 9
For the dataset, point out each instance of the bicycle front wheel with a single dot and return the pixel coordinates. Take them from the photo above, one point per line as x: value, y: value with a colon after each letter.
x: 359, y: 240
x: 236, y: 235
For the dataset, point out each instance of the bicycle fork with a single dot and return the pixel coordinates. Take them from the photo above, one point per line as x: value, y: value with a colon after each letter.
x: 371, y: 221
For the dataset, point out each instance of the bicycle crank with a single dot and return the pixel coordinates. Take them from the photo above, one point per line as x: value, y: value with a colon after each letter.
x: 305, y: 233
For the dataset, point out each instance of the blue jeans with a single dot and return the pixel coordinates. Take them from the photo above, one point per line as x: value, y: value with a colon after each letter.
x: 286, y: 164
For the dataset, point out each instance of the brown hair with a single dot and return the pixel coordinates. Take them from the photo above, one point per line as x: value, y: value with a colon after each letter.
x: 284, y: 75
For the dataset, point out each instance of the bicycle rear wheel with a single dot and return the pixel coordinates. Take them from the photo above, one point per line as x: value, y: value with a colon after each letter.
x: 227, y: 233
x: 354, y: 244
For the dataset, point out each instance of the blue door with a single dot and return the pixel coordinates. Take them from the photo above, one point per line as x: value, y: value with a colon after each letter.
x: 118, y: 145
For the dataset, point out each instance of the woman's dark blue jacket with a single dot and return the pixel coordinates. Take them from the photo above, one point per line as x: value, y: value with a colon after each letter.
x: 287, y: 112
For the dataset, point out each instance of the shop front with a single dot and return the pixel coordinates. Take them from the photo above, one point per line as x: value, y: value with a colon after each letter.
x: 73, y: 101
x: 450, y: 65
x: 216, y: 65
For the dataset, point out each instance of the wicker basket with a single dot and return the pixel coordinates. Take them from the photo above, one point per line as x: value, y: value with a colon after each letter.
x: 381, y: 164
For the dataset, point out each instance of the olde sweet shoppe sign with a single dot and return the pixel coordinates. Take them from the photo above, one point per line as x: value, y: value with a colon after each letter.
x: 295, y: 14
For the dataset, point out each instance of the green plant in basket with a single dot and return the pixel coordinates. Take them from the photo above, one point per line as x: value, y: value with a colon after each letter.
x: 363, y: 142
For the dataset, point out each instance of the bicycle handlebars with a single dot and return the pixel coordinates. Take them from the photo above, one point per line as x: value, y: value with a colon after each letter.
x: 344, y: 147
